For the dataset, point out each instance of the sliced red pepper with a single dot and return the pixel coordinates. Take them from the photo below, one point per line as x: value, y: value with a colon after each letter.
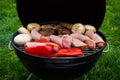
x: 40, y: 40
x: 69, y: 52
x: 44, y: 51
x: 56, y: 46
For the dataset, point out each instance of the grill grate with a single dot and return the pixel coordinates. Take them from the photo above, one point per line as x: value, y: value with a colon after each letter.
x: 85, y: 51
x: 89, y: 52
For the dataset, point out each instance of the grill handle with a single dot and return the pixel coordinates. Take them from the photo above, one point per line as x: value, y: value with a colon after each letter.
x: 108, y: 48
x: 10, y: 46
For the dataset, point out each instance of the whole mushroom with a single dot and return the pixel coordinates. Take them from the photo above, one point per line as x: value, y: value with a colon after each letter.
x: 90, y: 27
x: 32, y: 26
x: 78, y: 28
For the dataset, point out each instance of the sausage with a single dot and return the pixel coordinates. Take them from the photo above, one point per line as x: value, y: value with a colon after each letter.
x: 97, y: 38
x: 91, y: 44
x: 100, y: 44
x: 35, y: 34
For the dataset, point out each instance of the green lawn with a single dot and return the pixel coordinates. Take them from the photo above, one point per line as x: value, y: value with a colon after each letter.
x: 107, y: 68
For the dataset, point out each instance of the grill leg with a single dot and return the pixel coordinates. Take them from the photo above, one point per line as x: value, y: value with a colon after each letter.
x: 29, y: 76
x: 85, y: 77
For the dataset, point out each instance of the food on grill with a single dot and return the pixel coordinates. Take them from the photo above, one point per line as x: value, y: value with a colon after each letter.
x: 48, y: 29
x: 55, y: 46
x: 34, y: 44
x: 36, y: 35
x: 73, y: 42
x: 46, y: 49
x: 78, y: 28
x: 56, y: 39
x: 40, y: 40
x: 32, y: 26
x: 67, y: 41
x: 90, y: 43
x: 69, y: 52
x: 39, y: 49
x: 67, y: 25
x: 61, y: 37
x: 23, y: 30
x: 90, y: 27
x: 78, y: 43
x: 63, y: 30
x: 94, y: 36
x: 21, y: 39
x: 100, y: 44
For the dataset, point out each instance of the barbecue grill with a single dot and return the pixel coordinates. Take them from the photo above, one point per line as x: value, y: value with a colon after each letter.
x: 49, y: 11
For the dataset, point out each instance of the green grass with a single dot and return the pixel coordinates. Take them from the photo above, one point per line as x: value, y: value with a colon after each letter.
x: 107, y: 68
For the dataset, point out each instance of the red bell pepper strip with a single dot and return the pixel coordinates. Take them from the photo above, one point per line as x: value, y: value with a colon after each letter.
x: 44, y: 50
x: 69, y: 52
x: 40, y: 40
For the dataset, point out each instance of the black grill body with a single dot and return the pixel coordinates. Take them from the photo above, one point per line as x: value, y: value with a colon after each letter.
x: 62, y: 68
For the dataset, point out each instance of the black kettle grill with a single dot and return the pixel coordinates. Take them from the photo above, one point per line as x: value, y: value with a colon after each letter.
x: 54, y: 11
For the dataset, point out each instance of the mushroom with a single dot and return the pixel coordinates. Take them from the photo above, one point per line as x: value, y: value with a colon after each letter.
x: 23, y: 30
x: 34, y: 28
x: 90, y: 27
x: 21, y: 39
x: 78, y: 28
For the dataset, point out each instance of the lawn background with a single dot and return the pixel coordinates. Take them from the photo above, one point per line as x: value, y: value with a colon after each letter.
x: 107, y: 68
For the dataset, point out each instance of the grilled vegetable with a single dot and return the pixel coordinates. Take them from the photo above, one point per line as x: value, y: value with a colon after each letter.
x: 69, y: 53
x: 40, y: 40
x: 23, y: 30
x: 78, y: 28
x: 90, y: 27
x: 21, y: 39
x: 32, y: 26
x: 41, y: 50
x: 55, y: 46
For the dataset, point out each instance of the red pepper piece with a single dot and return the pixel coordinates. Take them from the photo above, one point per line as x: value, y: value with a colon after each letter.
x: 44, y: 51
x: 40, y: 40
x: 69, y: 52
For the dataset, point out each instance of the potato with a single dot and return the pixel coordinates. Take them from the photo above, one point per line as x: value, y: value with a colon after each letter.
x: 21, y: 39
x: 23, y: 30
